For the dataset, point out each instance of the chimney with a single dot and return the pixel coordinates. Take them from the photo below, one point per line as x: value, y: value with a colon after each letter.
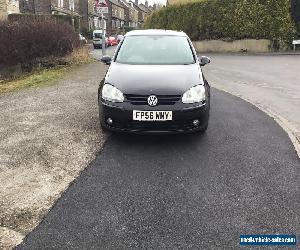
x: 146, y: 3
x: 136, y: 2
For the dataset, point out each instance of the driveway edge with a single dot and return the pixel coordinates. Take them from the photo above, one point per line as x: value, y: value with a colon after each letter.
x: 282, y: 122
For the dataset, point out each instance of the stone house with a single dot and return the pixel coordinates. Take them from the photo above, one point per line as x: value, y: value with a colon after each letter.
x: 143, y: 13
x: 91, y: 16
x: 126, y: 12
x: 139, y: 12
x: 116, y: 17
x: 133, y: 16
x: 65, y: 7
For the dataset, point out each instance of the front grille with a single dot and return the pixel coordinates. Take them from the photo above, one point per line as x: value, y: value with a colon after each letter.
x: 162, y: 99
x: 153, y: 125
x: 160, y: 126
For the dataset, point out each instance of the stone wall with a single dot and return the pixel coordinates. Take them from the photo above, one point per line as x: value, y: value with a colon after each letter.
x: 249, y: 45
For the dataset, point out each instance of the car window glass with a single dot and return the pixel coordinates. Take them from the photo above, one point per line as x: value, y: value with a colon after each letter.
x: 155, y: 50
x: 97, y: 35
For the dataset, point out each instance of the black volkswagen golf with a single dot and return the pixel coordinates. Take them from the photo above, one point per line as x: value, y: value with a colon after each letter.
x: 154, y: 85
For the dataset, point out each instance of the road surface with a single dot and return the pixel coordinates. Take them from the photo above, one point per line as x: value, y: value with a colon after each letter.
x: 187, y: 191
x: 270, y: 81
x: 181, y: 192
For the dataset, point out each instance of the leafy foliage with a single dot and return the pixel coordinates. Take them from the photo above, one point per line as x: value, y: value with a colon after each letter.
x: 228, y: 19
x: 36, y: 17
x: 23, y: 42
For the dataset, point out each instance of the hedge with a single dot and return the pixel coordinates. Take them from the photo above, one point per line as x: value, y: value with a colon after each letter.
x: 24, y: 42
x: 42, y: 17
x: 228, y: 19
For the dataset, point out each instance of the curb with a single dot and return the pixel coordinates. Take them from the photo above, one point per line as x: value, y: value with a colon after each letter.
x: 282, y: 122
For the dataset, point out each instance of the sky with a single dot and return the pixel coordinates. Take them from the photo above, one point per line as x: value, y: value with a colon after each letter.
x: 151, y: 2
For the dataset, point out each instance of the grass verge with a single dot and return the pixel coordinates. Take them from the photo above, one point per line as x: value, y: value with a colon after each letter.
x: 46, y: 77
x: 40, y: 78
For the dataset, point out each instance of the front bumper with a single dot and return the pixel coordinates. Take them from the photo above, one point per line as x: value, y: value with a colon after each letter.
x: 183, y: 117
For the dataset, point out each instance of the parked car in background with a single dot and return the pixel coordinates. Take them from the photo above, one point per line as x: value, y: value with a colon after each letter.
x: 112, y: 41
x: 119, y: 38
x: 82, y: 39
x: 97, y: 39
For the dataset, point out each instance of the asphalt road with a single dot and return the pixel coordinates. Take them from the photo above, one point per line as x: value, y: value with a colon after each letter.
x: 271, y: 81
x: 97, y: 53
x: 182, y: 192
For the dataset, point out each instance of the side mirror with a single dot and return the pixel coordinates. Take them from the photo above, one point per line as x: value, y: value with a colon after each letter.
x: 204, y: 60
x: 106, y: 60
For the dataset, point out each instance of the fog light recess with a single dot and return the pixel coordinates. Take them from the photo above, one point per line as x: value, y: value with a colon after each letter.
x: 196, y: 123
x: 109, y: 121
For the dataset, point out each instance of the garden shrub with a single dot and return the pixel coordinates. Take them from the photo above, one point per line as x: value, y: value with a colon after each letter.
x: 16, y: 17
x: 88, y: 34
x: 228, y: 19
x: 24, y: 42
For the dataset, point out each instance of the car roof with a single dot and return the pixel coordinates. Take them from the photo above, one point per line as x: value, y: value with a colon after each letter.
x: 153, y: 32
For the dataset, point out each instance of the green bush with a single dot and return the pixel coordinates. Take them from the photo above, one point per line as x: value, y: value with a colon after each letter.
x: 228, y: 19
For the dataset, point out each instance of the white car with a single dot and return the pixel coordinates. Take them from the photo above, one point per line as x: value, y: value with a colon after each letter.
x: 97, y: 39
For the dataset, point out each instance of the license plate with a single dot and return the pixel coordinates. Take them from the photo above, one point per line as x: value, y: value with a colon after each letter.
x: 152, y: 115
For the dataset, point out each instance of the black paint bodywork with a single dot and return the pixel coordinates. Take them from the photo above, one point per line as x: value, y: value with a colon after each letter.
x: 165, y: 81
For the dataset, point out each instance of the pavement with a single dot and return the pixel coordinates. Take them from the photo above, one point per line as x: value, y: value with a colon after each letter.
x: 182, y: 192
x: 269, y: 81
x: 47, y: 136
x: 97, y: 53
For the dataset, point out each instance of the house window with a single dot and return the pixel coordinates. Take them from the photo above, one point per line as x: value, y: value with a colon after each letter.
x: 71, y: 5
x: 95, y: 22
x: 60, y: 3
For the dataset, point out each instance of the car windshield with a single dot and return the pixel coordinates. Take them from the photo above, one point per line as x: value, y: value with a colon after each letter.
x: 97, y: 35
x: 156, y: 50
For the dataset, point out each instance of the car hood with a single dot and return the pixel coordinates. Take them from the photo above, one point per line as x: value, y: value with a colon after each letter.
x: 154, y: 79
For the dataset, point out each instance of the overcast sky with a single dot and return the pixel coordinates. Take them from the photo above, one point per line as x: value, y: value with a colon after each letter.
x: 151, y: 2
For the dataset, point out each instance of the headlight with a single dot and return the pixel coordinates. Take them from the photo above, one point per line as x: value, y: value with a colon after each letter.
x: 112, y: 94
x: 194, y: 94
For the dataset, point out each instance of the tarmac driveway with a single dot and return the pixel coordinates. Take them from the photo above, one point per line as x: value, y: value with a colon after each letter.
x: 182, y: 192
x: 270, y: 81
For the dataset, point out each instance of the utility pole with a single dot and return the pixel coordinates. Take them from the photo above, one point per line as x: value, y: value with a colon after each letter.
x: 102, y: 6
x: 73, y: 22
x: 103, y: 34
